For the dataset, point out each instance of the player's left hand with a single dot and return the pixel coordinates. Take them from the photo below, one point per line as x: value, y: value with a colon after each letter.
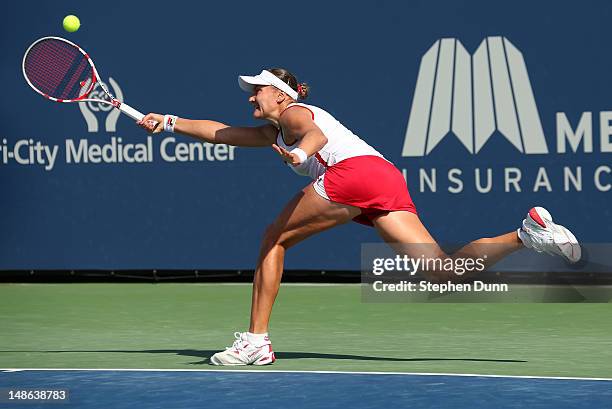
x: 289, y: 158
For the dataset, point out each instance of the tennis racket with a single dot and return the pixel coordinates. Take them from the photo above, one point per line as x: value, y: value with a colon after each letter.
x: 61, y: 71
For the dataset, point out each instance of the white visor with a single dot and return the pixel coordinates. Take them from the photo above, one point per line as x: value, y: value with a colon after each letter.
x: 265, y: 78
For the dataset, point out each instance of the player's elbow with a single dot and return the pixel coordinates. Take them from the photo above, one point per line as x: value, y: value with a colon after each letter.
x: 324, y: 139
x: 321, y: 141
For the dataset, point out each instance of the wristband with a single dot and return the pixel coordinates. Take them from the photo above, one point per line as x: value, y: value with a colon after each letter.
x: 169, y: 122
x: 300, y: 154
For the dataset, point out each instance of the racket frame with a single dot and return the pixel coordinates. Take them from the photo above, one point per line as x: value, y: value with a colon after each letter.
x: 123, y: 107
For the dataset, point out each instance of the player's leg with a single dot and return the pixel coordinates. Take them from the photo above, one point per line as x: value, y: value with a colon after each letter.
x: 407, y: 235
x: 306, y: 214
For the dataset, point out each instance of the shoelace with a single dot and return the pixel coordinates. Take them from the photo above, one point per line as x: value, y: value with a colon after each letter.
x: 236, y: 344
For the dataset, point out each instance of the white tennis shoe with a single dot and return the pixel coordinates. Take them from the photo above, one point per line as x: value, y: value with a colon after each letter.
x: 541, y: 234
x: 243, y: 352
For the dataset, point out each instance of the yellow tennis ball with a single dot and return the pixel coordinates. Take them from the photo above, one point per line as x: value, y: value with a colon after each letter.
x: 71, y: 23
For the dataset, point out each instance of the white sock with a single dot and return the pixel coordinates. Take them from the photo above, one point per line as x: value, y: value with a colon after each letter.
x: 257, y: 339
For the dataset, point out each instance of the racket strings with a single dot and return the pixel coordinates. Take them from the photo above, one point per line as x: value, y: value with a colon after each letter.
x: 48, y: 53
x: 47, y: 64
x: 58, y: 69
x: 49, y: 81
x: 55, y: 58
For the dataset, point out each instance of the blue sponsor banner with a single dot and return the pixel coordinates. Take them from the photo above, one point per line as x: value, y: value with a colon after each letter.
x: 487, y: 108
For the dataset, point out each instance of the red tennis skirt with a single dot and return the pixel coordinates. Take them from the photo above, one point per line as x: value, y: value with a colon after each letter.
x: 370, y: 183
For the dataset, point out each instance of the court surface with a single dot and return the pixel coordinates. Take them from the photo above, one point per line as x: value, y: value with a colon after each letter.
x: 405, y: 355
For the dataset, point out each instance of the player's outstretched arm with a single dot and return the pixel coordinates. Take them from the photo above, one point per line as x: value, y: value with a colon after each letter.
x: 214, y: 132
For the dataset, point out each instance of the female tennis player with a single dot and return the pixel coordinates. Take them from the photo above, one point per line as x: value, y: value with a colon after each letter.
x: 352, y: 181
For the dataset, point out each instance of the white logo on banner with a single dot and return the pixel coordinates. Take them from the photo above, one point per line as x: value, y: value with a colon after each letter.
x: 472, y: 97
x: 114, y: 150
x: 489, y: 92
x: 90, y: 109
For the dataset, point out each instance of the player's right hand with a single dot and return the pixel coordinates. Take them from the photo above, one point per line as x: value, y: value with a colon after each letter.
x: 152, y: 123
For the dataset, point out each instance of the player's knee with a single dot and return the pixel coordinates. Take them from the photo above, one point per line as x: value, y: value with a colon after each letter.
x: 270, y: 236
x: 275, y: 235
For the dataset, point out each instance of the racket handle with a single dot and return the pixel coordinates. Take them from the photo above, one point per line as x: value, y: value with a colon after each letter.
x: 131, y: 112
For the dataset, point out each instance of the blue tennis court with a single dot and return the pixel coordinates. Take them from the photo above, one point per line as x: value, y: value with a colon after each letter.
x: 265, y: 389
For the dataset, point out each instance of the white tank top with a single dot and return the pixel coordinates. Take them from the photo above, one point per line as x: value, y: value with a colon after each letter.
x: 341, y: 144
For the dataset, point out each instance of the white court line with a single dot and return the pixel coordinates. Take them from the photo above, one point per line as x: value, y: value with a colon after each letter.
x: 8, y: 370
